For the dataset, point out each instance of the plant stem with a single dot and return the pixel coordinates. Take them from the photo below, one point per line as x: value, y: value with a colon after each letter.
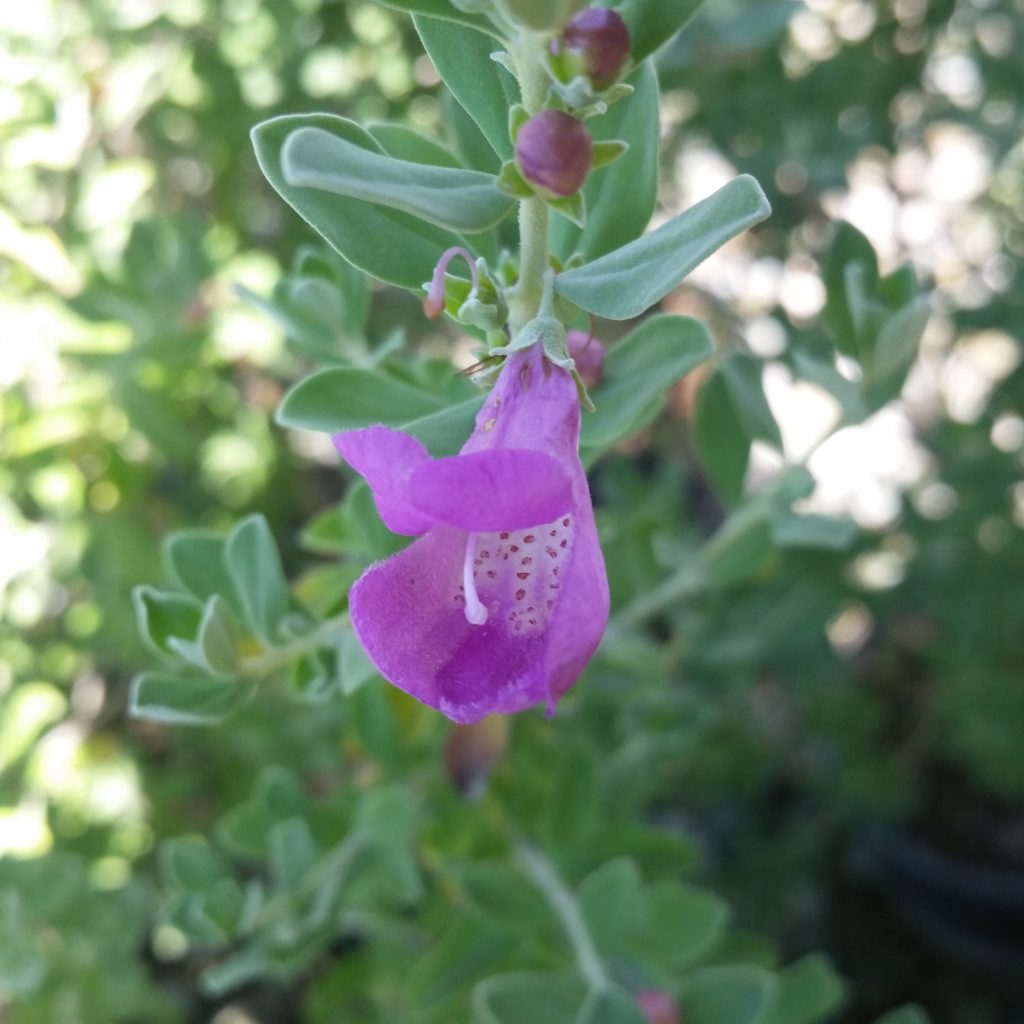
x: 533, y: 213
x: 277, y: 657
x: 543, y: 875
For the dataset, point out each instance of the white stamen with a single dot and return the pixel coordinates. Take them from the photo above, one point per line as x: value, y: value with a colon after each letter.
x: 476, y: 613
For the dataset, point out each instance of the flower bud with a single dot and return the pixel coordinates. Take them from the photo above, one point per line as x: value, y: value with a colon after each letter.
x: 554, y: 152
x: 658, y: 1007
x: 599, y: 39
x: 471, y: 751
x: 588, y: 354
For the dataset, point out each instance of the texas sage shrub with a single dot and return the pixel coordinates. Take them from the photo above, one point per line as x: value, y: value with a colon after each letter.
x: 495, y: 870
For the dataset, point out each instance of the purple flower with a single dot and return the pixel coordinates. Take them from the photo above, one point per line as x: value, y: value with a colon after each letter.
x: 503, y: 599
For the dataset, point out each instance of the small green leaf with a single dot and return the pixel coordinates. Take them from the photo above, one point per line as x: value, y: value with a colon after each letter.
x: 742, y: 374
x: 448, y: 197
x: 683, y: 924
x: 185, y: 700
x: 405, y: 143
x: 291, y: 851
x: 501, y: 892
x: 191, y: 865
x: 652, y: 23
x: 808, y: 991
x: 723, y: 446
x: 470, y: 143
x: 515, y: 998
x: 517, y: 117
x: 611, y: 901
x: 638, y: 371
x: 573, y: 208
x: 606, y: 153
x: 894, y: 351
x: 374, y: 723
x: 466, y: 951
x: 355, y: 667
x: 483, y: 88
x: 628, y: 281
x: 385, y: 243
x: 849, y: 247
x: 741, y: 548
x: 163, y: 618
x: 443, y: 9
x: 196, y: 560
x: 345, y: 398
x: 255, y: 567
x: 611, y: 1005
x: 445, y: 432
x: 728, y: 994
x: 217, y: 637
x: 790, y: 530
x: 512, y: 182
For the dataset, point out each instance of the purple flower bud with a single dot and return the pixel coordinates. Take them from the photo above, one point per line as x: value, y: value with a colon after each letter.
x: 471, y: 751
x: 588, y: 354
x: 554, y: 152
x: 658, y: 1007
x: 599, y: 37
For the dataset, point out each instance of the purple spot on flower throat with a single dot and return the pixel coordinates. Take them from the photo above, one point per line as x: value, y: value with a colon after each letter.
x: 515, y: 574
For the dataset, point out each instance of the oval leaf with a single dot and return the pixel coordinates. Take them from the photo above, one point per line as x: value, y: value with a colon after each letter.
x: 630, y: 280
x: 638, y: 371
x: 485, y: 90
x: 346, y: 398
x: 652, y: 23
x: 441, y: 9
x: 387, y: 244
x: 185, y: 700
x: 446, y: 196
x: 255, y: 567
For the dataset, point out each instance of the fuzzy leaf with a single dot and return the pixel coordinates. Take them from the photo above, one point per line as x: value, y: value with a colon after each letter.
x: 630, y: 280
x: 637, y: 373
x: 345, y: 398
x: 443, y: 9
x: 185, y: 700
x: 388, y: 244
x: 446, y: 196
x: 255, y: 566
x: 485, y: 90
x: 652, y: 23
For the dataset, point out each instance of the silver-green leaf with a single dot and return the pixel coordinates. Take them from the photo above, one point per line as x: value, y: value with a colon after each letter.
x: 631, y: 279
x: 448, y: 197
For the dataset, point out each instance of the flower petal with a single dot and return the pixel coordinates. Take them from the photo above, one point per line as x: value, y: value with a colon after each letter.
x: 408, y: 614
x: 579, y: 617
x: 387, y: 459
x: 501, y: 489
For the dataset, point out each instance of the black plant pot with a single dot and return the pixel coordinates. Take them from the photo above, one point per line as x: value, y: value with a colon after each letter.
x: 970, y: 914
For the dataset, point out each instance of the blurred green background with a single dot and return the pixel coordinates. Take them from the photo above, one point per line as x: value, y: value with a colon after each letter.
x: 831, y: 721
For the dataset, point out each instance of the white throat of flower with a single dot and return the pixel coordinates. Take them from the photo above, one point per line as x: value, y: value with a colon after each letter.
x: 476, y: 613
